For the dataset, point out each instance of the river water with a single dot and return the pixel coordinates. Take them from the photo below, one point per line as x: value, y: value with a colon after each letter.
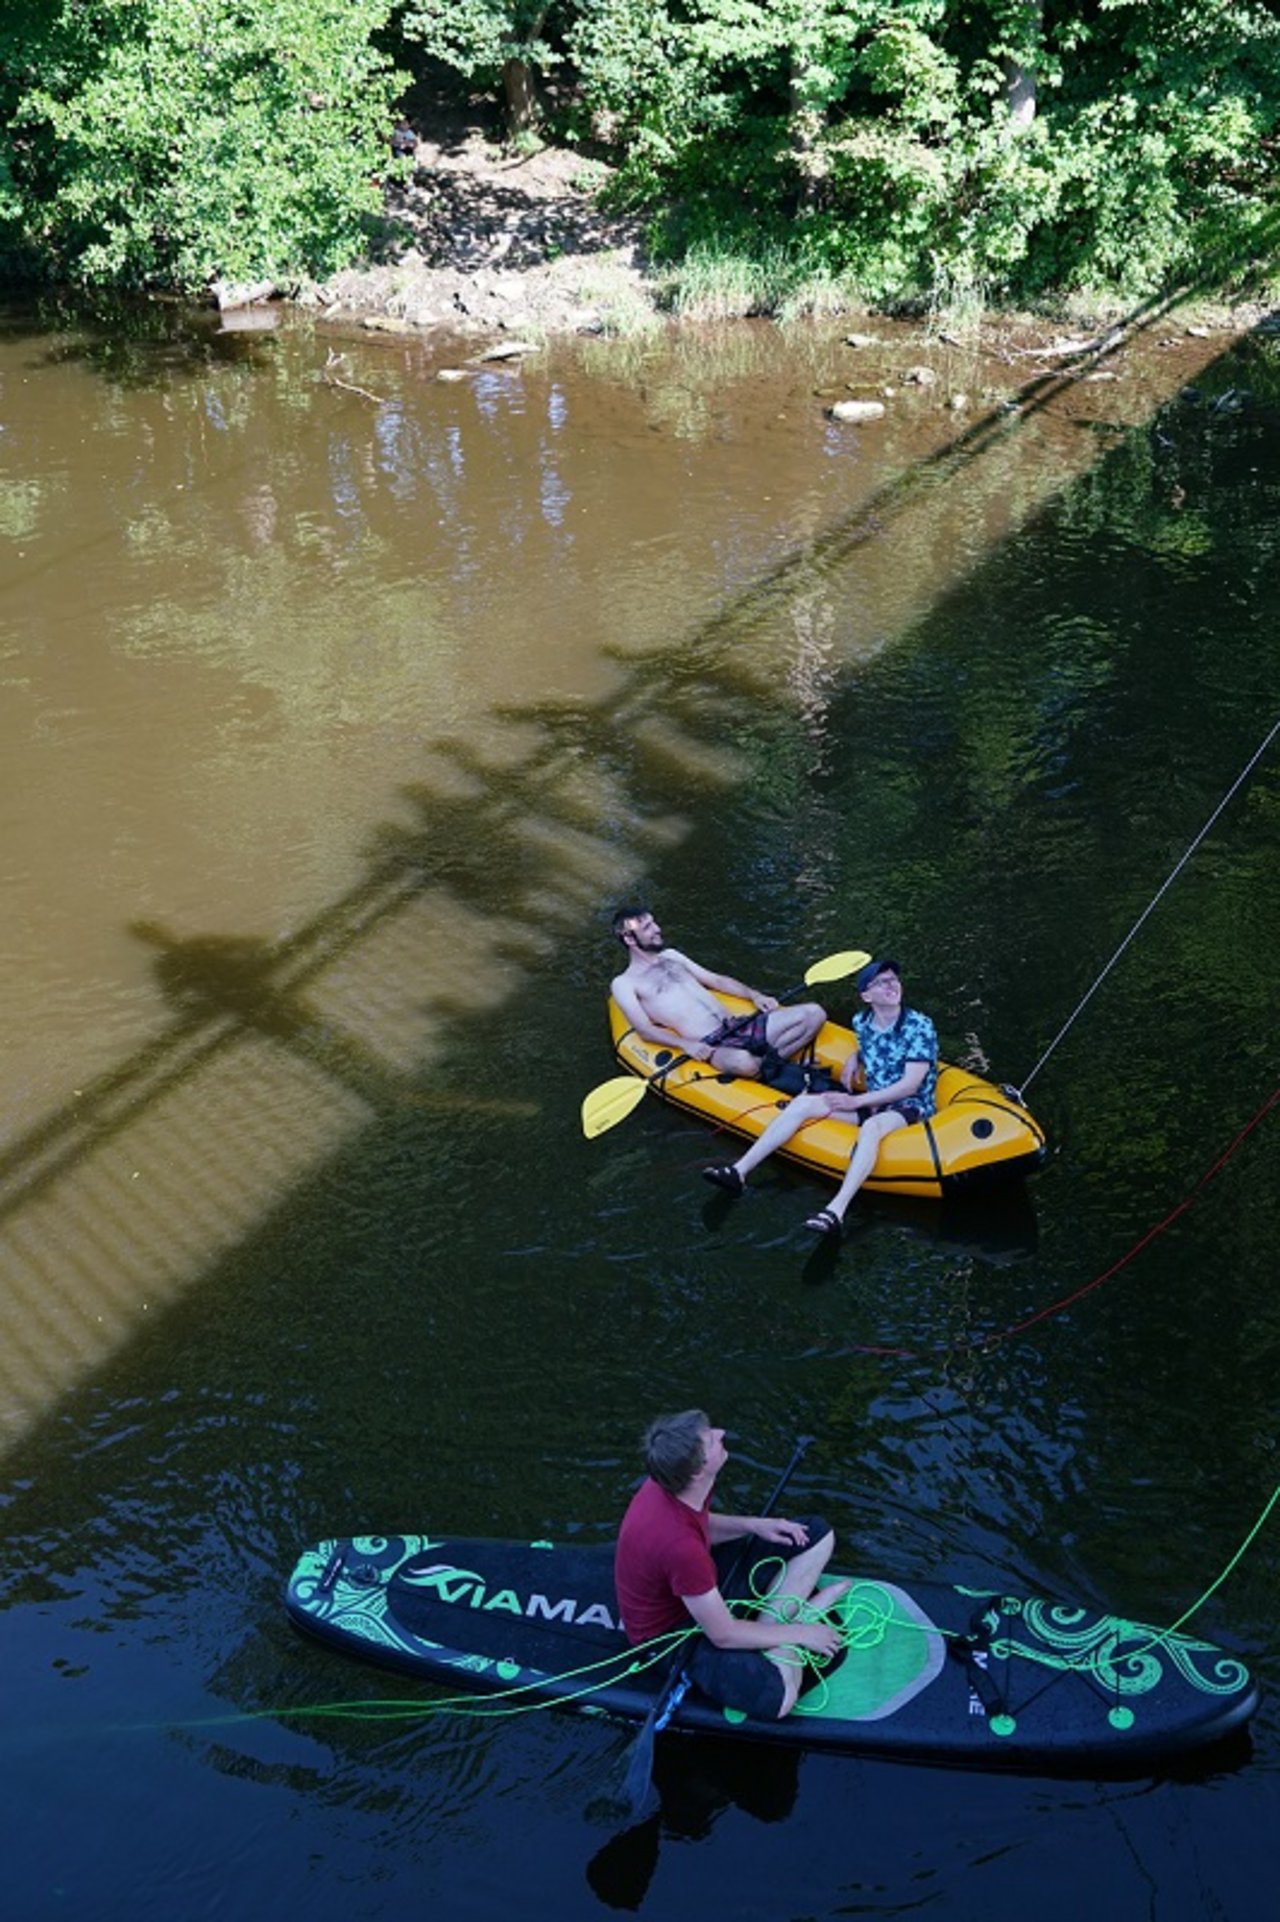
x: 340, y: 704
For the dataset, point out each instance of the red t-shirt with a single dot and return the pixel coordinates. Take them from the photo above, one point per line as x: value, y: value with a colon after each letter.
x: 664, y: 1553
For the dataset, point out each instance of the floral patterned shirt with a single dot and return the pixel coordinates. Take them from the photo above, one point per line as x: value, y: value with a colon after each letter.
x: 886, y: 1052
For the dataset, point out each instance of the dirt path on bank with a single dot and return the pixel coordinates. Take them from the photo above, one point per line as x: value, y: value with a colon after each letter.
x: 486, y: 241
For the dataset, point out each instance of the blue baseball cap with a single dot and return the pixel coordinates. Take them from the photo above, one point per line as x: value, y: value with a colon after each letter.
x: 872, y: 969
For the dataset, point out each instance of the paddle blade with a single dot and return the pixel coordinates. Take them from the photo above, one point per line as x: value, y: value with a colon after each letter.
x: 639, y: 1795
x: 620, y: 1872
x: 611, y: 1103
x: 837, y: 967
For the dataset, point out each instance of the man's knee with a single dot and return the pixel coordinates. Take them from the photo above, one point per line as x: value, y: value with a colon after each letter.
x: 819, y: 1533
x: 812, y: 1558
x: 735, y: 1061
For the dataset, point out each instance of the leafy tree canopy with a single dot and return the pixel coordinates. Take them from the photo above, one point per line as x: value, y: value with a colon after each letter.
x: 167, y: 142
x: 1018, y: 145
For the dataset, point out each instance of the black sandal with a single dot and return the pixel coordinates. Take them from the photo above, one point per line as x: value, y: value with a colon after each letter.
x: 725, y: 1175
x: 826, y: 1222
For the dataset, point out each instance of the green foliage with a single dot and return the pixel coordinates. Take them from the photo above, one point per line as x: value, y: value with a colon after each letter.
x: 716, y: 282
x: 635, y: 92
x: 935, y: 150
x: 477, y: 37
x: 881, y: 131
x: 917, y: 78
x: 169, y: 142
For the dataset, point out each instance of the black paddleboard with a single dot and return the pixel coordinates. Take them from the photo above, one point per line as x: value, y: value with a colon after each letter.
x: 931, y: 1673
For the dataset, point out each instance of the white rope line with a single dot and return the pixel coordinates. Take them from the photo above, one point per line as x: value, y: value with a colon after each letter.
x: 1239, y: 781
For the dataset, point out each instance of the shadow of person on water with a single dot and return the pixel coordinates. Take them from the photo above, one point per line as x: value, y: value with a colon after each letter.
x: 696, y: 1781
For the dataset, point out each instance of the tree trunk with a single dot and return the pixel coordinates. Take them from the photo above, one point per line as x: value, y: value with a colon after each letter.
x: 1019, y: 68
x: 806, y: 115
x: 523, y: 113
x: 1019, y: 91
x: 806, y: 123
x: 521, y: 96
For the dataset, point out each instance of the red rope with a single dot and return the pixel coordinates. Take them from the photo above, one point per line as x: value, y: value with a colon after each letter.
x: 773, y: 1102
x: 990, y: 1342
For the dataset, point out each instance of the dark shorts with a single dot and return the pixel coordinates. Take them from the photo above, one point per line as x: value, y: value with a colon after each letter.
x: 741, y: 1031
x: 909, y: 1109
x: 744, y: 1678
x: 738, y: 1678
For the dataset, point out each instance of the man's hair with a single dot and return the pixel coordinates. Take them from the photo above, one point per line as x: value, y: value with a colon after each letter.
x: 673, y: 1449
x: 634, y: 911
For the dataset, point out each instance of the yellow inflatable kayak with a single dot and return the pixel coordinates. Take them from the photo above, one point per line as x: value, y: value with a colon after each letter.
x: 980, y: 1135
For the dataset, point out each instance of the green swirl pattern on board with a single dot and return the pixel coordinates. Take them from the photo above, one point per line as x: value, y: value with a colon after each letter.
x: 359, y: 1611
x: 363, y: 1611
x: 1125, y: 1658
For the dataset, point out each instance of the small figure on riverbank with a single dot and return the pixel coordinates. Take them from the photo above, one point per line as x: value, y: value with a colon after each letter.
x: 669, y: 999
x: 897, y: 1059
x: 668, y: 1567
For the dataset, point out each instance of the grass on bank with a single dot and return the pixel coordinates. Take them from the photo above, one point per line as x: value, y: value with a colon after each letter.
x: 720, y: 278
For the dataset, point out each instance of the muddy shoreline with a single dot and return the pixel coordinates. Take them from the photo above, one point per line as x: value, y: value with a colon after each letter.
x: 481, y: 241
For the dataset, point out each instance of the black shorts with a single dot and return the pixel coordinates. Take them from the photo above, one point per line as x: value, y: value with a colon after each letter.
x: 748, y: 1032
x: 744, y: 1678
x: 910, y: 1110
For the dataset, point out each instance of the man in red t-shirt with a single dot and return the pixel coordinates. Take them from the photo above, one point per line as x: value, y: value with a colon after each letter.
x: 666, y: 1571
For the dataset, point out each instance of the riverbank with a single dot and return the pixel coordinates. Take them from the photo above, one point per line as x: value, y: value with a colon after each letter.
x: 482, y: 241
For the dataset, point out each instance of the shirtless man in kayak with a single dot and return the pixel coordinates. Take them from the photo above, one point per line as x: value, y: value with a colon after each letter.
x: 670, y: 1564
x: 667, y: 999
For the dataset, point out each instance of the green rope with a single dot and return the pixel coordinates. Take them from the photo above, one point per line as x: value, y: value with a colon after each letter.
x: 624, y: 1660
x: 769, y: 1601
x: 864, y: 1627
x: 508, y: 1701
x: 1230, y: 1568
x: 1161, y: 1635
x: 878, y: 1622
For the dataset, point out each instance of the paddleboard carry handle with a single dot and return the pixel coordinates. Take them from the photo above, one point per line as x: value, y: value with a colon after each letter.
x: 332, y: 1569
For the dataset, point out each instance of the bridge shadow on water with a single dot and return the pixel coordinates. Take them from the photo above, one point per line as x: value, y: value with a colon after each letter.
x: 274, y: 1055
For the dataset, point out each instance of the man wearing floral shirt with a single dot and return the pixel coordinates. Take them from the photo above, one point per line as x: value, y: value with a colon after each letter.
x: 898, y: 1056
